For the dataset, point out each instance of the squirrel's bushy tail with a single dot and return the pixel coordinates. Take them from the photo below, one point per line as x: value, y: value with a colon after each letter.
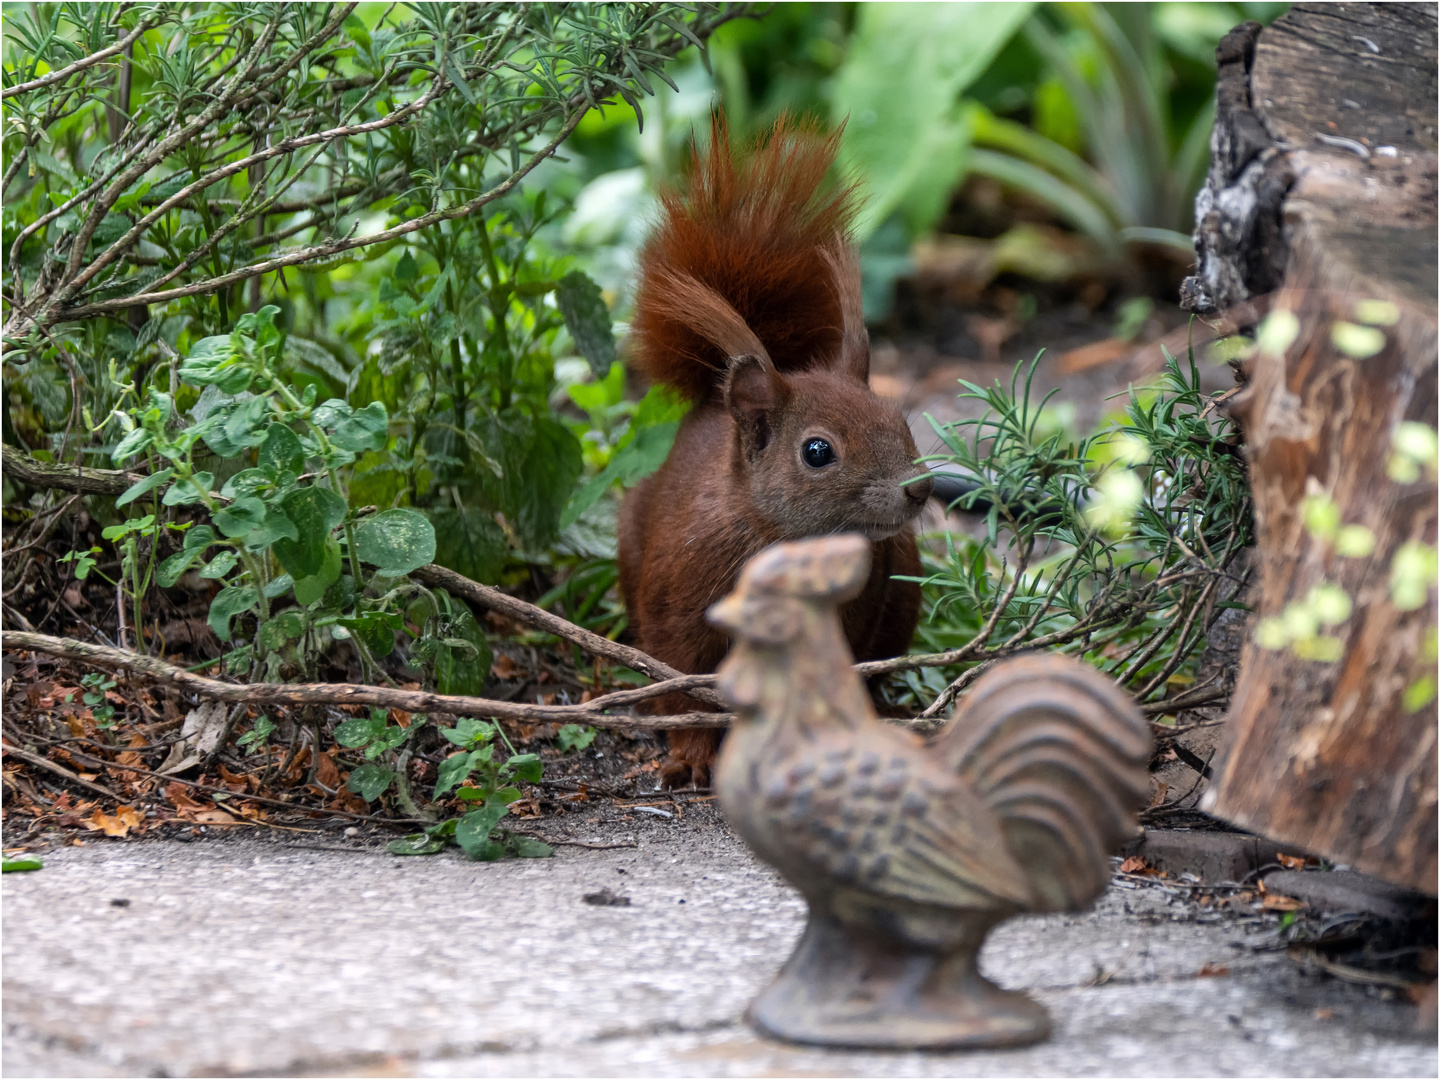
x: 756, y: 230
x: 1059, y: 753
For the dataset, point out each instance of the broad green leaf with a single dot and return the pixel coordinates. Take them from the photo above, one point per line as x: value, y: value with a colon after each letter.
x: 312, y: 588
x: 362, y: 429
x: 543, y: 484
x: 370, y: 781
x: 246, y: 426
x: 897, y: 95
x: 282, y: 628
x: 315, y: 511
x: 133, y: 443
x: 184, y: 493
x: 281, y: 450
x: 230, y: 601
x: 220, y: 565
x: 417, y: 843
x: 397, y: 541
x: 473, y: 832
x: 588, y: 320
x: 526, y: 767
x: 377, y: 629
x: 527, y: 847
x: 278, y: 585
x: 169, y: 571
x: 271, y: 528
x: 641, y: 457
x: 141, y: 487
x: 359, y: 731
x: 468, y: 730
x: 214, y: 360
x: 452, y: 772
x: 201, y: 536
x: 470, y: 542
x: 456, y: 672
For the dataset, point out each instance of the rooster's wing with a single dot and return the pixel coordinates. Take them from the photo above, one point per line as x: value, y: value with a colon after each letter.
x: 874, y: 815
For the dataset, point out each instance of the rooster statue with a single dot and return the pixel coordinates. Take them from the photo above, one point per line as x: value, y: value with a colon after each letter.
x: 909, y: 852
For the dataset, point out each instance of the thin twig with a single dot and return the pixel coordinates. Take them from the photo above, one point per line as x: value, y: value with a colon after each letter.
x: 59, y: 770
x: 593, y: 712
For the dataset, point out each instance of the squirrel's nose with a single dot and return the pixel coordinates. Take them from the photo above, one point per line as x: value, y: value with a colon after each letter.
x: 920, y: 490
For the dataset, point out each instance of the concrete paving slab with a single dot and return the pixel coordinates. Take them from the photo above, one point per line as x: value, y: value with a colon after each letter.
x: 250, y: 957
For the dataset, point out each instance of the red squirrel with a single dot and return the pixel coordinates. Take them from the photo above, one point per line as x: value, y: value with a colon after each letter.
x: 749, y: 306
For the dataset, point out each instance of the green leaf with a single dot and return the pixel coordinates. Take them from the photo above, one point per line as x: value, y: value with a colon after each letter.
x: 230, y: 601
x: 184, y: 493
x: 360, y: 430
x: 574, y: 737
x: 397, y: 541
x: 641, y: 457
x: 312, y: 588
x: 527, y: 847
x: 133, y: 443
x: 468, y: 731
x: 28, y: 862
x: 538, y: 491
x: 240, y: 517
x: 169, y: 571
x: 215, y: 361
x: 470, y: 542
x: 370, y: 781
x: 455, y: 672
x: 315, y: 511
x: 376, y: 629
x: 452, y: 772
x: 588, y: 320
x: 281, y: 450
x: 220, y: 565
x: 141, y: 487
x: 896, y: 93
x: 417, y: 843
x: 271, y: 528
x: 282, y: 628
x: 246, y: 426
x: 473, y: 832
x: 201, y: 536
x: 359, y: 731
x: 527, y: 767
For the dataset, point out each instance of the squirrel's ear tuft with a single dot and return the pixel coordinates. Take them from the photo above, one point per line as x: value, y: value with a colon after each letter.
x: 754, y: 392
x: 844, y: 263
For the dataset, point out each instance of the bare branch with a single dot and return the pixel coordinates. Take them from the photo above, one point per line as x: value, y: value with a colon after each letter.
x: 81, y: 64
x: 593, y: 712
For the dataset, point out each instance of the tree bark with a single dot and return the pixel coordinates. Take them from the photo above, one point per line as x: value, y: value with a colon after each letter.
x: 1332, y: 109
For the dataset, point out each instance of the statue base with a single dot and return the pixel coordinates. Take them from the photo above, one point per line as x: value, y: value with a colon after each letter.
x: 845, y: 988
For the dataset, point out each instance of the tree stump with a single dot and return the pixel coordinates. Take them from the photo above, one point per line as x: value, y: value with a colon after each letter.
x: 1322, y: 193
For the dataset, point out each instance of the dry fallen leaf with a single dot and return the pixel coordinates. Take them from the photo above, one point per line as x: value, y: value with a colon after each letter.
x: 1276, y: 902
x: 1293, y: 862
x: 210, y: 817
x: 505, y: 668
x: 1211, y: 970
x: 326, y: 773
x: 1161, y: 787
x: 180, y: 798
x: 1323, y: 1014
x: 1136, y: 865
x: 126, y: 818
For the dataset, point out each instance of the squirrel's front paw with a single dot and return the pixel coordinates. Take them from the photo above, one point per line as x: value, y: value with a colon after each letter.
x: 675, y: 773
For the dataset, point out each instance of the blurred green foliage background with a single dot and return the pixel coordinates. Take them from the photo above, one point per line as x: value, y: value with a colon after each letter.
x: 499, y: 429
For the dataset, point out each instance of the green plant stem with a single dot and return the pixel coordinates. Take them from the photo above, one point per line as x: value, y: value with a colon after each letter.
x: 499, y: 307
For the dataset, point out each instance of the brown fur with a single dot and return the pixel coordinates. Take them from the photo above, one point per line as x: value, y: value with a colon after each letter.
x: 750, y: 304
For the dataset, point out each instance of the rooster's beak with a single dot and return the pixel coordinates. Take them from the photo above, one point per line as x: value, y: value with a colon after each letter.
x: 728, y: 613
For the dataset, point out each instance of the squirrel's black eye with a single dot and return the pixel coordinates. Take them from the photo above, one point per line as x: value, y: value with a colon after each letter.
x: 818, y: 453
